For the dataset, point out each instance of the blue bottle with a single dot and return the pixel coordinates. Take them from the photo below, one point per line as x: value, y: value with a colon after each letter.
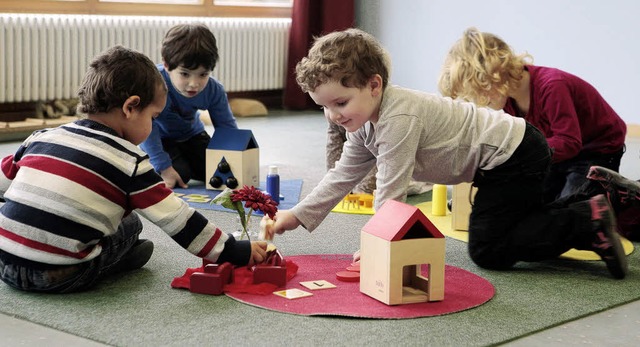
x: 273, y: 184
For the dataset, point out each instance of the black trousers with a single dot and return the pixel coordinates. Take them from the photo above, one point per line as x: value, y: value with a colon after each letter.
x: 569, y: 177
x: 189, y: 157
x: 509, y: 220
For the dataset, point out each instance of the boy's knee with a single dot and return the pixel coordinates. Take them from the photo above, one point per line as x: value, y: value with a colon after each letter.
x: 132, y: 222
x: 183, y: 169
x: 488, y: 257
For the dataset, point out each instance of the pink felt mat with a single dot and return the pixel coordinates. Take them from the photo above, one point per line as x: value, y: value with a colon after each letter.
x: 463, y: 290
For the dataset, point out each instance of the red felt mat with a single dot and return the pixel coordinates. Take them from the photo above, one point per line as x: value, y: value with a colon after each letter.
x: 463, y: 290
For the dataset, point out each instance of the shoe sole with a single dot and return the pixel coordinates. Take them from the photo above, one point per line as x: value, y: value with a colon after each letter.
x: 144, y: 251
x: 137, y: 256
x: 609, y: 177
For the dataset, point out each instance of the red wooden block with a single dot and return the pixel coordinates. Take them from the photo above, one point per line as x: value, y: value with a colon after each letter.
x: 212, y: 280
x: 348, y: 276
x: 274, y: 258
x: 271, y: 274
x: 226, y: 272
x: 211, y: 268
x: 205, y: 283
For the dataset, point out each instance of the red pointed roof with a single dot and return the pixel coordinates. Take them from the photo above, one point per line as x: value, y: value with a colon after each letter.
x: 395, y: 219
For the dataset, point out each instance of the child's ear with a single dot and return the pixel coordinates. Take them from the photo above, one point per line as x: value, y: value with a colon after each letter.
x: 130, y: 104
x: 375, y: 83
x: 166, y: 66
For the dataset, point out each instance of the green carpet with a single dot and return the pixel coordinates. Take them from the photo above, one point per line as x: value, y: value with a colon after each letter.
x: 141, y: 309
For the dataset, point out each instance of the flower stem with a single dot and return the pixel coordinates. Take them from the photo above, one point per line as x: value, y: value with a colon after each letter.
x: 246, y: 224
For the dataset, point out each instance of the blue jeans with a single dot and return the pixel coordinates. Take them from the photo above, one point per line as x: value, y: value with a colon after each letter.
x: 72, y: 278
x: 509, y: 220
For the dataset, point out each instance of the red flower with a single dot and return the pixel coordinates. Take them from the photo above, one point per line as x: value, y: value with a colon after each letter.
x: 255, y: 199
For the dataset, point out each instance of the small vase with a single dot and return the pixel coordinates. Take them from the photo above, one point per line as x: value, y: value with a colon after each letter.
x: 239, y: 234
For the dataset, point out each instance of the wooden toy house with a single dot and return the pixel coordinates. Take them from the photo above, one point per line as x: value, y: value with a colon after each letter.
x: 233, y: 159
x: 462, y: 198
x: 394, y: 245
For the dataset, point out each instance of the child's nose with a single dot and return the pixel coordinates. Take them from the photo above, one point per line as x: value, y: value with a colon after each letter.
x: 333, y: 116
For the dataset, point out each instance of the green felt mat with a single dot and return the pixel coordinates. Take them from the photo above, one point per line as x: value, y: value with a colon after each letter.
x: 141, y: 309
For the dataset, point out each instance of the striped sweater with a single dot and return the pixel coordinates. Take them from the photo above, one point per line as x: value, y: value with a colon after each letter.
x: 68, y: 187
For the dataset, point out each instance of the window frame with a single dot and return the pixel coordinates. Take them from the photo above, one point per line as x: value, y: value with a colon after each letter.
x: 206, y: 9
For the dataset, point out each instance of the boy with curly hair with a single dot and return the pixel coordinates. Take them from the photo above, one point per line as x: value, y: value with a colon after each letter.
x: 407, y: 133
x: 581, y: 128
x: 178, y: 141
x: 73, y: 193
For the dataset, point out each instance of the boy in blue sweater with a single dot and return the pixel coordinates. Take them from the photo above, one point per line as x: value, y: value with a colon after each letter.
x: 178, y: 141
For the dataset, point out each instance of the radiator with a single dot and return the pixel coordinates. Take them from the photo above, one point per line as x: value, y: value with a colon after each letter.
x: 44, y: 57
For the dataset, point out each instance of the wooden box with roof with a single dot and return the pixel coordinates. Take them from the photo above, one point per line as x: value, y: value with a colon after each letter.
x: 394, y: 245
x: 233, y: 159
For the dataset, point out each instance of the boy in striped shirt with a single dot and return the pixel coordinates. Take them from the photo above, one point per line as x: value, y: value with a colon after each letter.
x: 73, y: 193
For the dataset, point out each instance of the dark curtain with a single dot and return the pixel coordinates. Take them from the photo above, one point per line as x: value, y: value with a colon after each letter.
x: 309, y: 19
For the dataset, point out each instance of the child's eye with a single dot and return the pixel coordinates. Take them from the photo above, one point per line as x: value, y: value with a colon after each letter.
x: 204, y: 75
x: 341, y: 103
x: 184, y: 74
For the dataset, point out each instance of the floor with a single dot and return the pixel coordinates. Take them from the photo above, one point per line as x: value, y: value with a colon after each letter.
x: 619, y: 326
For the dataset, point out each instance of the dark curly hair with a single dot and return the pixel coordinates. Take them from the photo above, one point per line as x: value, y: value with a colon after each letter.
x: 350, y: 57
x: 114, y: 76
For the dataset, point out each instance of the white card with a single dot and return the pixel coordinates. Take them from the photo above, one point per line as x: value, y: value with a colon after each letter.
x: 319, y: 284
x: 292, y: 293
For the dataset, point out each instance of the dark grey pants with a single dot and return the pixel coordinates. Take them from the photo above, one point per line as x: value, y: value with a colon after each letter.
x: 509, y: 220
x: 188, y: 158
x: 65, y: 279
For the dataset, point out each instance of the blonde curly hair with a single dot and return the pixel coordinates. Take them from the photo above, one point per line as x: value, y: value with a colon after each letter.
x: 479, y: 65
x: 350, y: 57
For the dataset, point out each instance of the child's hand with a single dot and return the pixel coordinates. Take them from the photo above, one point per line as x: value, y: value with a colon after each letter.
x: 171, y: 178
x: 356, y: 256
x: 258, y: 252
x: 266, y: 226
x: 283, y: 220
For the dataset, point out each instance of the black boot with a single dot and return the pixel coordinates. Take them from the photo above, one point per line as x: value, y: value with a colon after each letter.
x: 137, y: 256
x: 624, y: 196
x: 605, y: 240
x: 622, y: 192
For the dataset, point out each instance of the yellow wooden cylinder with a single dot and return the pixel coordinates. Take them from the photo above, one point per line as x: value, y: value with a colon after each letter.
x: 439, y: 200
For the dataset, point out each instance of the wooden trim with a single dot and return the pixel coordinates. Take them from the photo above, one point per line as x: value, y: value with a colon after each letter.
x: 20, y: 130
x: 272, y: 99
x: 205, y: 9
x: 633, y: 131
x: 19, y: 111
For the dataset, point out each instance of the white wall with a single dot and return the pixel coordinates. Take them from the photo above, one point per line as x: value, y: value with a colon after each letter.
x: 594, y: 39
